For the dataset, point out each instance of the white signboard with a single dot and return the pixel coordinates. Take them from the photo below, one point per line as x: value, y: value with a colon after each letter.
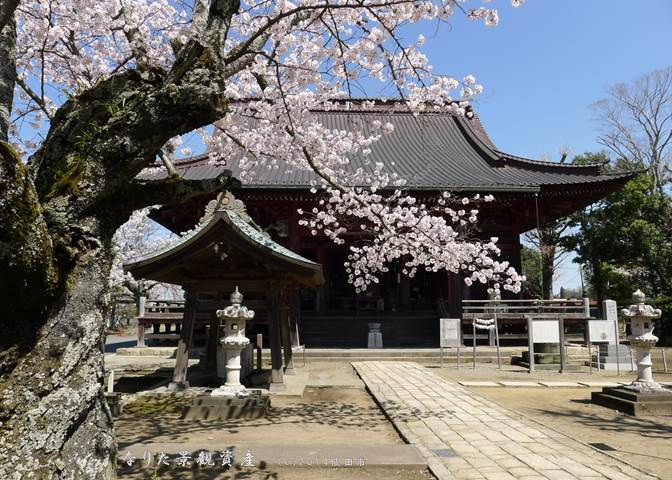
x: 546, y: 331
x: 602, y: 331
x: 610, y: 310
x: 450, y: 332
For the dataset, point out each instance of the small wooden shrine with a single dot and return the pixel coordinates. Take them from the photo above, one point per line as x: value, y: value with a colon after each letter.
x: 225, y: 250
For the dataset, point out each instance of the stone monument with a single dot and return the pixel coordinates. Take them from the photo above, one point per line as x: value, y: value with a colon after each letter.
x: 644, y: 396
x: 611, y: 354
x: 375, y: 339
x: 231, y: 400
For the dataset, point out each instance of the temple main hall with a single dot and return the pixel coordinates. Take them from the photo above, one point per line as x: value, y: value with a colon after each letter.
x: 434, y: 152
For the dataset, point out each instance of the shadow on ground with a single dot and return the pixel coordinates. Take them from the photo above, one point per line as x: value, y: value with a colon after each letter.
x: 149, y: 418
x: 618, y: 423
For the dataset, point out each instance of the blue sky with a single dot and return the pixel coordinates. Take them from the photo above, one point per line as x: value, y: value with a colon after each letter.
x: 546, y: 62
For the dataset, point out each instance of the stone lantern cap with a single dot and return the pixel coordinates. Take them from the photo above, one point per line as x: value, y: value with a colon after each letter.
x: 236, y: 310
x: 639, y: 309
x: 236, y: 297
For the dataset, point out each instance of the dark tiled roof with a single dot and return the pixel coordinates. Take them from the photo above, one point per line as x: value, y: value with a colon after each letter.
x: 431, y: 151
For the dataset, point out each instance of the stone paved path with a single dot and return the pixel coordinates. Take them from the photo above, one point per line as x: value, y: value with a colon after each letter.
x: 463, y: 436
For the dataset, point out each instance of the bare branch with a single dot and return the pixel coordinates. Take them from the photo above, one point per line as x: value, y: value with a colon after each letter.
x: 637, y: 123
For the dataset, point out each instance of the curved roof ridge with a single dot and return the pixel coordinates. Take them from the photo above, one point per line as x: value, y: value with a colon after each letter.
x: 518, y: 158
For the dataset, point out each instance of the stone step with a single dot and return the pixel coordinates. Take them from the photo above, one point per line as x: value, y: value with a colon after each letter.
x: 465, y: 359
x: 635, y: 396
x: 644, y: 407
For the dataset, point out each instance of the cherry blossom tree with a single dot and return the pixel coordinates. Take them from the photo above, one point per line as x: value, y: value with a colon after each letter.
x: 92, y: 93
x: 139, y: 236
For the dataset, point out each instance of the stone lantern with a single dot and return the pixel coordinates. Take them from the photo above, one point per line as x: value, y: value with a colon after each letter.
x: 642, y: 318
x: 644, y: 396
x: 233, y: 320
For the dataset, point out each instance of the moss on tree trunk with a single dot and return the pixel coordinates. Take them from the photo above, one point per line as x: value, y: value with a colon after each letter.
x: 60, y: 212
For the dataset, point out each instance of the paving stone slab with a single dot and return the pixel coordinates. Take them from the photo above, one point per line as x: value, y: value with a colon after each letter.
x: 560, y: 384
x: 479, y: 384
x: 519, y: 384
x: 598, y: 384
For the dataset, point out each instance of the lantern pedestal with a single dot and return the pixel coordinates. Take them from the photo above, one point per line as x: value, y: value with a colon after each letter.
x: 633, y: 402
x: 254, y: 404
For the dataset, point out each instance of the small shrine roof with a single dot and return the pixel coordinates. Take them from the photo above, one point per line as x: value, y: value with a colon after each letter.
x: 224, y: 225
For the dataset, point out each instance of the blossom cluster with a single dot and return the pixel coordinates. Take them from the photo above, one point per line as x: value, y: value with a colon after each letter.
x: 399, y: 228
x: 135, y: 238
x: 285, y: 62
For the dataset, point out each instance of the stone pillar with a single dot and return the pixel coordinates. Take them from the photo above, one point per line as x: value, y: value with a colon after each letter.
x: 233, y: 320
x: 642, y: 318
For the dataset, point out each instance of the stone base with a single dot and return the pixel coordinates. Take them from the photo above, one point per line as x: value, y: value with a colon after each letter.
x: 611, y: 365
x: 277, y: 387
x: 208, y: 407
x: 632, y: 402
x: 178, y: 386
x: 375, y: 340
x: 114, y: 402
x: 542, y: 358
x: 228, y: 391
x: 523, y: 362
x: 609, y: 358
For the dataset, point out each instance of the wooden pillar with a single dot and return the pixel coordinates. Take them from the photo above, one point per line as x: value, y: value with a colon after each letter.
x: 140, y: 315
x: 213, y: 344
x: 294, y: 312
x: 284, y: 332
x: 455, y: 283
x: 180, y: 382
x: 274, y: 314
x: 323, y: 292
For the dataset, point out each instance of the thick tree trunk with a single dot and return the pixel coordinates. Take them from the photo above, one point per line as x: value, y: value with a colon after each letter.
x: 58, y: 215
x: 54, y: 422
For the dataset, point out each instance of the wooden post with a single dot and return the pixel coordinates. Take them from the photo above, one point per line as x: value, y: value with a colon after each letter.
x: 141, y: 326
x: 141, y: 334
x: 180, y: 382
x: 473, y: 329
x: 285, y: 333
x: 259, y: 346
x: 213, y: 343
x: 294, y: 312
x: 499, y: 357
x: 590, y: 349
x: 277, y: 378
x: 530, y: 342
x: 561, y: 327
